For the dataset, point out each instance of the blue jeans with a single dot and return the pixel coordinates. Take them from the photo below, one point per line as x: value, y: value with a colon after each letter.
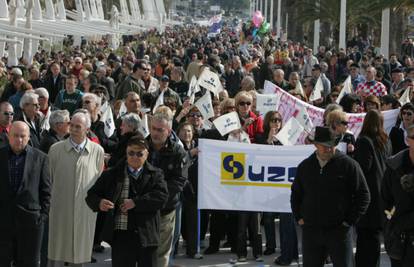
x: 288, y: 238
x: 269, y: 228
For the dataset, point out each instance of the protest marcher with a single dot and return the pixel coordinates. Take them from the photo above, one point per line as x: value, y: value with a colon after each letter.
x: 351, y: 103
x: 45, y: 108
x: 329, y: 195
x: 398, y: 195
x: 371, y: 86
x: 187, y: 135
x: 69, y: 98
x: 372, y: 149
x: 75, y: 164
x: 278, y: 79
x: 372, y: 102
x: 338, y: 122
x: 6, y: 119
x: 15, y: 78
x: 133, y: 105
x: 132, y: 194
x: 147, y: 82
x: 398, y: 134
x: 54, y: 81
x: 29, y: 105
x: 59, y: 129
x: 172, y: 159
x: 166, y: 93
x: 251, y: 123
x: 21, y: 88
x: 130, y: 83
x: 25, y: 188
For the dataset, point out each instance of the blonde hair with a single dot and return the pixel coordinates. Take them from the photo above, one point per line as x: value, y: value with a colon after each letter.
x: 240, y: 95
x: 335, y: 117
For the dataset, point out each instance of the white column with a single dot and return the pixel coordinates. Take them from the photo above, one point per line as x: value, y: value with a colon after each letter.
x: 316, y: 31
x: 271, y: 14
x: 266, y: 11
x: 286, y: 31
x: 261, y: 5
x: 279, y: 19
x: 257, y: 5
x: 342, y: 26
x: 385, y: 32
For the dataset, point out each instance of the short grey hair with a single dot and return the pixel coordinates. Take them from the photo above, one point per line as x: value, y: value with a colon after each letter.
x: 132, y: 120
x: 27, y: 98
x: 41, y: 91
x: 95, y: 98
x: 83, y: 113
x: 163, y: 117
x: 58, y: 116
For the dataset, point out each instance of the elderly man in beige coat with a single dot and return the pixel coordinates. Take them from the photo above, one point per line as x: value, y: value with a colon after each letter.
x: 75, y: 165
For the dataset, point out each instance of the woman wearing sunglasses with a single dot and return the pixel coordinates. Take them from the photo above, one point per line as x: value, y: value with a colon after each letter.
x: 288, y: 239
x: 338, y: 122
x: 399, y: 131
x: 251, y: 124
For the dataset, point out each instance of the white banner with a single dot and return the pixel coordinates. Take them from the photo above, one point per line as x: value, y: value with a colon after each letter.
x: 249, y: 177
x: 290, y: 106
x: 227, y: 123
x: 205, y: 106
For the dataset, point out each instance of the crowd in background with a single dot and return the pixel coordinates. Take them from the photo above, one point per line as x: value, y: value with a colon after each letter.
x: 129, y: 81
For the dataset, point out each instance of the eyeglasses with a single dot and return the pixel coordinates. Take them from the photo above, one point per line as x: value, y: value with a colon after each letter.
x: 196, y: 114
x: 138, y: 154
x: 242, y: 103
x: 77, y: 62
x: 36, y: 105
x: 145, y: 69
x: 8, y: 113
x: 345, y: 123
x: 408, y: 113
x: 276, y: 120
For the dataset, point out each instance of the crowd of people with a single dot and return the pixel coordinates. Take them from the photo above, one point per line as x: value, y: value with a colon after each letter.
x: 71, y: 181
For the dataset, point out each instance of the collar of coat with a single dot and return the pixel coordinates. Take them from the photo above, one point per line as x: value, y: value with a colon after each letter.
x: 69, y: 146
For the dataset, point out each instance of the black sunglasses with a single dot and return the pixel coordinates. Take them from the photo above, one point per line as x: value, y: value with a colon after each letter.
x: 138, y: 154
x: 8, y: 113
x: 276, y: 120
x: 196, y: 114
x: 344, y: 123
x: 242, y: 103
x: 408, y: 113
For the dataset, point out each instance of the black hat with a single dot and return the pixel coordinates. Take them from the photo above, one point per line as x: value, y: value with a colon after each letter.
x: 165, y: 78
x: 324, y: 136
x: 354, y: 65
x: 397, y: 70
x: 316, y: 67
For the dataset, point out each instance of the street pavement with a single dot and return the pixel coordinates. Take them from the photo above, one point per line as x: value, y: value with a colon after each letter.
x: 221, y: 259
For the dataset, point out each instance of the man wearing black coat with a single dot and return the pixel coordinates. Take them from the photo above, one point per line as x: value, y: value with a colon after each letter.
x: 54, y: 81
x: 25, y: 189
x: 132, y: 193
x: 329, y: 195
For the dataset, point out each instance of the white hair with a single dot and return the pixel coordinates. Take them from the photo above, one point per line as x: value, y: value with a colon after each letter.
x: 27, y: 98
x: 132, y: 120
x: 95, y: 98
x: 83, y: 113
x: 58, y: 116
x: 41, y: 91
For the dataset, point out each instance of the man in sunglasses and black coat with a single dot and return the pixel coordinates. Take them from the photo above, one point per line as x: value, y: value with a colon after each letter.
x: 132, y: 193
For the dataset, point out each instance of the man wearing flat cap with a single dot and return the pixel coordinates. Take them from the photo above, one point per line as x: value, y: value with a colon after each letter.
x: 329, y: 195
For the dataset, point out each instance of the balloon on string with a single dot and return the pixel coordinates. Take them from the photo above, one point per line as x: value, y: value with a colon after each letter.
x: 264, y: 28
x: 257, y: 18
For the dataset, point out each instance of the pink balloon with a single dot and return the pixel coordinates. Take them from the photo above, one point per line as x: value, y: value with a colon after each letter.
x: 257, y: 18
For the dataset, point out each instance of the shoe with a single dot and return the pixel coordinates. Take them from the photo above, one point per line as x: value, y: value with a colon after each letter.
x: 279, y: 261
x: 211, y: 250
x: 269, y: 251
x: 241, y: 259
x: 258, y: 259
x: 98, y: 248
x: 93, y: 260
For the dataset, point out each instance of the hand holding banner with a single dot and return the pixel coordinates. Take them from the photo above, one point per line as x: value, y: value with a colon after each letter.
x: 290, y: 132
x: 266, y: 103
x: 227, y: 123
x: 210, y: 81
x: 159, y: 102
x: 108, y: 119
x: 143, y: 126
x: 317, y: 91
x: 205, y: 106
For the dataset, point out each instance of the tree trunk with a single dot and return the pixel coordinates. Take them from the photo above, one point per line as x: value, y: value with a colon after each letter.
x: 397, y: 30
